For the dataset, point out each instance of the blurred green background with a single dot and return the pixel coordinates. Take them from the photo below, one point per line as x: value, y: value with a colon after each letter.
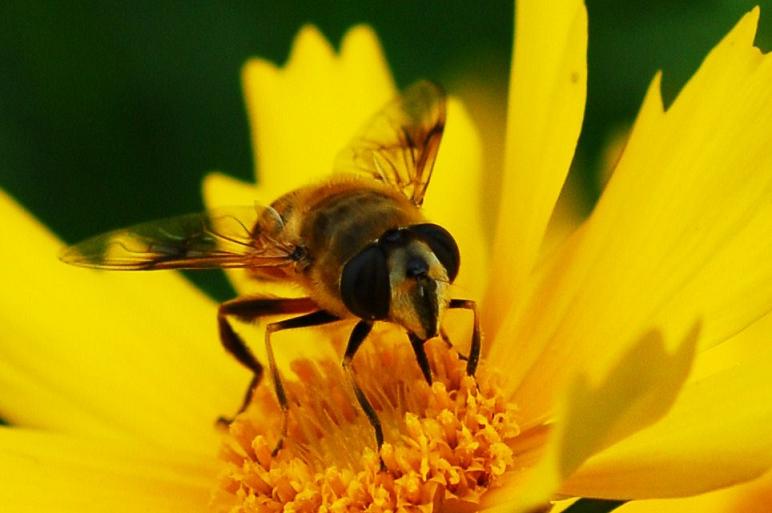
x: 111, y: 112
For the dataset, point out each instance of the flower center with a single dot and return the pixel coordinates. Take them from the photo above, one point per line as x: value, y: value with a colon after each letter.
x: 443, y: 443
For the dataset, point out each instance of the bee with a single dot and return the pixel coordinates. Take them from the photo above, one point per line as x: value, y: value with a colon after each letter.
x: 356, y: 243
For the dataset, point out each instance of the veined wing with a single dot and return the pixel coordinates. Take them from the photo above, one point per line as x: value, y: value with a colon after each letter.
x: 228, y: 237
x: 399, y: 145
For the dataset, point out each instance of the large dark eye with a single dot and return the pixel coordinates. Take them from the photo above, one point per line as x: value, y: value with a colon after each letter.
x: 442, y: 245
x: 364, y: 285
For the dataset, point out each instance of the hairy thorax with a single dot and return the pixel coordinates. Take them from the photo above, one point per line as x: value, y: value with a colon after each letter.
x: 334, y: 220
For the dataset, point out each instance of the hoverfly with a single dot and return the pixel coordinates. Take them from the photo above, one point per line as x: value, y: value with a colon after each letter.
x: 356, y: 243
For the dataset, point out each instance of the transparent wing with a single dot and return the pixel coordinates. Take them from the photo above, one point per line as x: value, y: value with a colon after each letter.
x: 229, y: 237
x: 399, y: 145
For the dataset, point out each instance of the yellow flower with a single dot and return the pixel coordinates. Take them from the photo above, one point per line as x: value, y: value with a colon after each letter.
x: 630, y: 362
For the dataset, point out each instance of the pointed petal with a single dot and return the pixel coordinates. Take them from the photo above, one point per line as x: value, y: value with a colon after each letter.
x: 716, y: 435
x: 547, y: 92
x: 682, y: 230
x: 46, y: 472
x: 303, y: 114
x: 92, y: 350
x: 637, y: 391
x: 550, y: 293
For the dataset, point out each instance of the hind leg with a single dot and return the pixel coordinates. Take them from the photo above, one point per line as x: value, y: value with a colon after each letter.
x: 248, y: 309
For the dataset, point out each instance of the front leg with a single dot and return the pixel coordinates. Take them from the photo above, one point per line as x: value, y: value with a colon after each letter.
x: 420, y: 356
x: 474, y: 350
x: 358, y: 335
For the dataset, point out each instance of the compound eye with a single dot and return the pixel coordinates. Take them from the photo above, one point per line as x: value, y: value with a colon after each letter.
x: 364, y: 284
x: 442, y: 244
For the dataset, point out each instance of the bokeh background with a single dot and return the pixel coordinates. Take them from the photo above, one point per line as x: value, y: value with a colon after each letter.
x: 111, y: 112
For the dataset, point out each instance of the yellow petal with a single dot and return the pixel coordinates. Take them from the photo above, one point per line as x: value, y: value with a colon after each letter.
x: 69, y: 475
x: 26, y: 400
x: 221, y: 190
x: 304, y: 113
x: 483, y: 102
x: 547, y: 92
x: 716, y: 435
x: 733, y: 287
x: 566, y: 219
x: 753, y: 497
x: 740, y: 349
x: 131, y: 354
x: 637, y: 391
x: 527, y: 334
x: 681, y: 232
x: 455, y: 198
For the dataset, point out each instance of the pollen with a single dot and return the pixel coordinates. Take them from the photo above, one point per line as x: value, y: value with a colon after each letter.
x: 445, y: 443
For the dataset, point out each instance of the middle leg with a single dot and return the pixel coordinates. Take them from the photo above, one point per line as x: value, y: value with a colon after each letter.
x: 317, y: 318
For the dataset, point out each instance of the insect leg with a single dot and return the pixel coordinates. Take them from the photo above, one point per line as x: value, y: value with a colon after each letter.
x: 358, y: 335
x: 474, y: 349
x: 420, y: 355
x: 449, y: 343
x: 248, y: 309
x: 304, y: 321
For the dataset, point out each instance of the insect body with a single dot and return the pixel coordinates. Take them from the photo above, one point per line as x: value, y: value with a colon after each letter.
x: 357, y: 243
